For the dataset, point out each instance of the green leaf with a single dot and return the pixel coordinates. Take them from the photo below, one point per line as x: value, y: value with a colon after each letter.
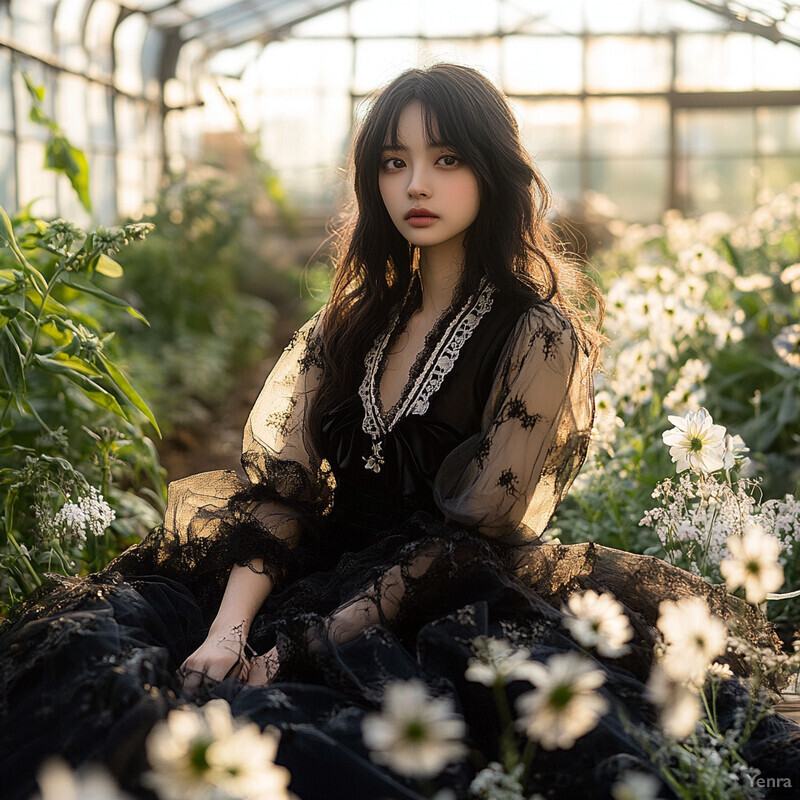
x: 7, y: 234
x: 83, y: 284
x: 37, y: 92
x: 11, y: 498
x: 59, y: 337
x: 130, y: 393
x: 40, y: 118
x: 7, y: 313
x: 51, y: 306
x: 7, y: 229
x: 77, y: 364
x: 12, y: 363
x: 96, y: 393
x: 108, y: 267
x: 62, y: 157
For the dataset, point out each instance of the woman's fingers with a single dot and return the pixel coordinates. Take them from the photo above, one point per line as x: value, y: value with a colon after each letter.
x: 212, y: 662
x: 193, y: 680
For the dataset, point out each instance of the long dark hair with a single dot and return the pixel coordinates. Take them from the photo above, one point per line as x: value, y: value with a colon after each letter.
x: 510, y: 241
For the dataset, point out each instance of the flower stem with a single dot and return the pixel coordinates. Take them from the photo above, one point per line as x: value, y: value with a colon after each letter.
x: 25, y: 560
x: 508, y: 750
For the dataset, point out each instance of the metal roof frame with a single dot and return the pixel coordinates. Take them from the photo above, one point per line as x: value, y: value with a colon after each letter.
x: 776, y: 20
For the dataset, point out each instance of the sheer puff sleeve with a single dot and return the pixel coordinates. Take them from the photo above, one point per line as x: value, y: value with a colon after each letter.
x: 215, y: 519
x: 506, y: 481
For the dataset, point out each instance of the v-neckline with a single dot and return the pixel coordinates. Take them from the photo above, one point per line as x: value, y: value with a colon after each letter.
x: 431, y: 365
x: 397, y: 326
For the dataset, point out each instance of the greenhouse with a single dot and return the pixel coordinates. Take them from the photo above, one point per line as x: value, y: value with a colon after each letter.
x: 399, y: 400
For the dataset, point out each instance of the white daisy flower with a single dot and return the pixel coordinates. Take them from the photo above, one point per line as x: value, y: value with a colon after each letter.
x: 57, y: 781
x: 753, y: 283
x: 598, y: 620
x: 636, y: 786
x: 733, y: 450
x: 206, y: 754
x: 787, y: 345
x: 694, y: 637
x: 753, y: 563
x: 495, y: 661
x: 415, y: 735
x: 791, y: 275
x: 564, y: 706
x: 678, y: 702
x: 695, y: 442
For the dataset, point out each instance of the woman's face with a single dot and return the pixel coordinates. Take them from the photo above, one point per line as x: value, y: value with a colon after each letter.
x: 431, y: 195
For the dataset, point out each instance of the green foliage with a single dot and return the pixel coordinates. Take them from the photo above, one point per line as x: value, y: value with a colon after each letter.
x: 186, y: 278
x: 70, y: 420
x: 60, y: 155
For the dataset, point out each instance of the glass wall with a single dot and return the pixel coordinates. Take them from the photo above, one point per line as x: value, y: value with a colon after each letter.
x: 101, y: 89
x: 653, y: 103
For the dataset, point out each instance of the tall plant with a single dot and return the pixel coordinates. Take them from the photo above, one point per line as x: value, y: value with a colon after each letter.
x: 72, y: 426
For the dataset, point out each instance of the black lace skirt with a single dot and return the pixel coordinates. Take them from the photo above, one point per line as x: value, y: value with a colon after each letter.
x: 89, y: 666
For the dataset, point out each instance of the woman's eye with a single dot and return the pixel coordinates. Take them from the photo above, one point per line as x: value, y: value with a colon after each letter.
x: 449, y: 161
x: 394, y: 163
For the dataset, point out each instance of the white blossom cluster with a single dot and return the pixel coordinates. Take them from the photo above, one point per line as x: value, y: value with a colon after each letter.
x: 688, y: 392
x: 714, y: 767
x: 654, y: 316
x: 89, y: 515
x: 493, y: 783
x: 676, y: 295
x: 782, y: 519
x: 712, y: 525
x: 58, y: 781
x: 696, y: 518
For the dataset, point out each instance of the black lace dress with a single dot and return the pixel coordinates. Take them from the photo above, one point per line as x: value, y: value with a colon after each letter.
x: 444, y: 495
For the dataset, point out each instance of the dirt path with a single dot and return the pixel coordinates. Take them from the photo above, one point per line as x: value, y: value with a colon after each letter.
x: 218, y: 443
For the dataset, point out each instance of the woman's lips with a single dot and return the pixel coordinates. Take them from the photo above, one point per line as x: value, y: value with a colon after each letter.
x: 420, y: 218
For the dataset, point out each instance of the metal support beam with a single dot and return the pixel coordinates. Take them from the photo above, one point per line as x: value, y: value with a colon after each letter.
x: 746, y: 24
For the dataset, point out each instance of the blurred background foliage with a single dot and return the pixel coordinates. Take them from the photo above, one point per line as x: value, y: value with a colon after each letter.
x: 85, y: 318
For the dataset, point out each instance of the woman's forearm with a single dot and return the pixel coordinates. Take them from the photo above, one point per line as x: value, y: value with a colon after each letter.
x: 248, y: 587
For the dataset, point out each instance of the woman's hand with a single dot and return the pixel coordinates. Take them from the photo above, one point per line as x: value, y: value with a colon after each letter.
x: 262, y: 669
x: 220, y: 656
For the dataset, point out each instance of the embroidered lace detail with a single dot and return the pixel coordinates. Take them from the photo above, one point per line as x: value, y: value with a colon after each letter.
x: 416, y: 397
x: 372, y: 423
x: 446, y: 354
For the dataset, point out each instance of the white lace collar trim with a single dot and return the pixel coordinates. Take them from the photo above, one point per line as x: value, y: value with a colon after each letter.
x: 415, y: 399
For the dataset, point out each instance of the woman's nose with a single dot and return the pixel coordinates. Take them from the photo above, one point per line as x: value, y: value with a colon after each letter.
x: 419, y: 184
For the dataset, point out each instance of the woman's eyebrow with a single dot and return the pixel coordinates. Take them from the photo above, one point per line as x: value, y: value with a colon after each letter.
x: 397, y: 146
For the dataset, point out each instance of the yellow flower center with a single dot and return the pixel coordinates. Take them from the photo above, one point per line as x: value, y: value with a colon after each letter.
x: 560, y: 696
x: 415, y: 731
x: 197, y: 756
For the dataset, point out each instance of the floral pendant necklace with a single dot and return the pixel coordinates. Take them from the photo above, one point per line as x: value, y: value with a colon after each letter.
x: 423, y: 383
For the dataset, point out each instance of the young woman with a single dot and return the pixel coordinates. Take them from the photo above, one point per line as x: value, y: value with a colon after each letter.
x: 403, y: 460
